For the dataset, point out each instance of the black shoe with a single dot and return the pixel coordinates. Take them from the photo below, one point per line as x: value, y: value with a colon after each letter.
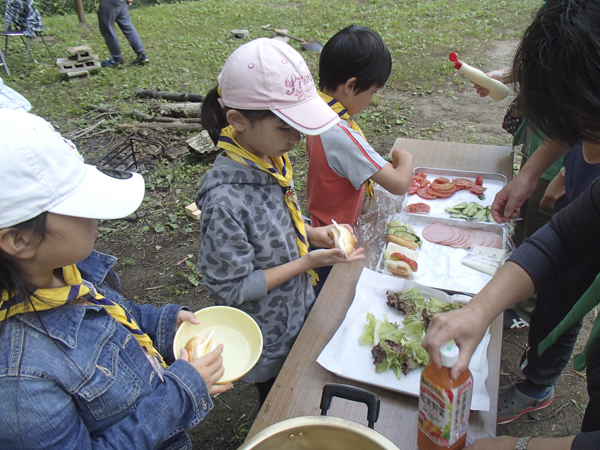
x: 113, y: 62
x: 141, y: 59
x: 513, y: 321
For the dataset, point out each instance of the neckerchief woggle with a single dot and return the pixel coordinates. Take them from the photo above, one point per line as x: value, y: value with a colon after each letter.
x: 77, y: 288
x: 584, y: 305
x: 282, y: 172
x: 341, y: 111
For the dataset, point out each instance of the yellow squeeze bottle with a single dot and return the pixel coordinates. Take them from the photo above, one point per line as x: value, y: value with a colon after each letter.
x: 498, y: 91
x: 444, y: 404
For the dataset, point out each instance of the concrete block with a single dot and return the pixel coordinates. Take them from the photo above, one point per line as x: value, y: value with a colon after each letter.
x: 240, y: 35
x: 68, y: 65
x: 81, y: 52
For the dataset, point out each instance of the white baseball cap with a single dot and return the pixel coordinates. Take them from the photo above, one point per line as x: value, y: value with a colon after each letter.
x: 41, y: 171
x: 270, y: 74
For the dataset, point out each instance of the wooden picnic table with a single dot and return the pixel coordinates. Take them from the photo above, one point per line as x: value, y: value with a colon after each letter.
x: 297, y: 390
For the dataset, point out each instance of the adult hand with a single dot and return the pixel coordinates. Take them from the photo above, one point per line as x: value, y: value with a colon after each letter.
x: 499, y: 75
x: 211, y: 368
x: 466, y: 326
x: 129, y: 2
x: 507, y: 203
x: 186, y: 316
x: 554, y: 191
x: 329, y: 257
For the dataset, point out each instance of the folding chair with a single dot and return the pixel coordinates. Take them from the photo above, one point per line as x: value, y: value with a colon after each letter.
x: 23, y: 19
x: 3, y: 63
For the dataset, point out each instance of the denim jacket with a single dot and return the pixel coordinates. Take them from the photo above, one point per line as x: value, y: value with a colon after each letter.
x: 72, y: 377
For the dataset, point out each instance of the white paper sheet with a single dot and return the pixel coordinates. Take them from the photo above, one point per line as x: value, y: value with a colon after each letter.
x: 345, y: 357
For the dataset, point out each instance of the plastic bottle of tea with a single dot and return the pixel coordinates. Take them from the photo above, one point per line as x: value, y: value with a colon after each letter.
x: 444, y: 404
x: 498, y: 91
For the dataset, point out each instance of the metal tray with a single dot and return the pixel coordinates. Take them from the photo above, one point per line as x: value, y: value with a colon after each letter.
x: 440, y: 266
x: 494, y: 182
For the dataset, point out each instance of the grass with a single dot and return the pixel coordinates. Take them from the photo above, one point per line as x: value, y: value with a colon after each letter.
x: 188, y: 43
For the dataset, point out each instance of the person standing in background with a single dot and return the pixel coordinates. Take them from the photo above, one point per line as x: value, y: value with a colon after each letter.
x: 109, y: 12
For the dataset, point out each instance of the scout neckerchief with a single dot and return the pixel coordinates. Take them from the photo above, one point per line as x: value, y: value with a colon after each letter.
x: 586, y: 303
x: 340, y: 110
x: 77, y: 288
x: 282, y: 172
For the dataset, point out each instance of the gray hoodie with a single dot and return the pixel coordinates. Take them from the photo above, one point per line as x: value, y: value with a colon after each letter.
x: 246, y: 228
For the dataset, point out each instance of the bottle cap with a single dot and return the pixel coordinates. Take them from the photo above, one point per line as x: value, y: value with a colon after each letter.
x: 449, y: 354
x: 457, y: 63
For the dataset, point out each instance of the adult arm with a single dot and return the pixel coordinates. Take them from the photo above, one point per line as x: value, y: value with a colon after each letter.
x: 569, y: 237
x: 507, y: 203
x: 509, y: 443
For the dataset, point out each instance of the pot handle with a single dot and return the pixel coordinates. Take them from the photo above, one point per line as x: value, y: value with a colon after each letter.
x: 351, y: 393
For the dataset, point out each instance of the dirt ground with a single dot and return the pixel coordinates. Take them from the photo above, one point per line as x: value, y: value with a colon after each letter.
x: 154, y: 266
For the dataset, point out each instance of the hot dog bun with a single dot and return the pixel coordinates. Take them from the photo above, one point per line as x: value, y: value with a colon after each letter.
x: 200, y: 345
x: 398, y: 267
x: 402, y: 241
x: 342, y: 238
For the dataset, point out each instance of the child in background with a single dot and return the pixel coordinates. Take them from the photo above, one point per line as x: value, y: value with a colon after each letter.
x: 354, y: 64
x: 254, y: 251
x: 80, y: 367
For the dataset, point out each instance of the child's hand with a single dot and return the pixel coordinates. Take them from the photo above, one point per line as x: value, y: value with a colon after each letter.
x: 186, y: 316
x: 319, y: 236
x: 211, y: 368
x: 401, y: 157
x: 329, y: 257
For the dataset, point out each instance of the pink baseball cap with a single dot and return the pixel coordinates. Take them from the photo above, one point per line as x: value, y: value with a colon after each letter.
x: 270, y: 74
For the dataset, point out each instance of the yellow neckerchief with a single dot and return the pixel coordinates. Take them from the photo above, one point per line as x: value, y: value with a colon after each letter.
x: 340, y: 110
x: 282, y: 172
x: 77, y: 288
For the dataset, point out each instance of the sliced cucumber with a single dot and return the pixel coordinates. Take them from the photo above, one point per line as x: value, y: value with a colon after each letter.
x: 460, y: 206
x: 394, y: 230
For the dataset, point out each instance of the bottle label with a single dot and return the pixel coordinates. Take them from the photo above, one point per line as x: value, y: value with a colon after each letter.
x: 444, y: 413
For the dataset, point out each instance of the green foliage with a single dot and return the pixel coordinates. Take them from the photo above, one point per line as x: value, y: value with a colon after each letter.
x: 188, y: 42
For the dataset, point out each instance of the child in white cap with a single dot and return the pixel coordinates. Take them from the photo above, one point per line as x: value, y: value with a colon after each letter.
x: 254, y: 251
x: 80, y: 367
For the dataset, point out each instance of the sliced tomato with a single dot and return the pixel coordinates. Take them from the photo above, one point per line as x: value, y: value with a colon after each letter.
x: 477, y: 190
x: 421, y: 174
x: 411, y: 262
x: 426, y: 193
x: 463, y: 183
x: 421, y: 180
x: 414, y: 187
x: 418, y: 208
x: 441, y: 180
x: 479, y: 180
x: 444, y: 188
x: 445, y: 194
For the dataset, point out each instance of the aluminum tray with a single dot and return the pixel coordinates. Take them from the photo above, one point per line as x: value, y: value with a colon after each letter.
x: 494, y: 182
x: 440, y: 266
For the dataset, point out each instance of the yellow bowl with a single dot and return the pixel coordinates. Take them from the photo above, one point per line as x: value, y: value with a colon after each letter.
x: 238, y: 332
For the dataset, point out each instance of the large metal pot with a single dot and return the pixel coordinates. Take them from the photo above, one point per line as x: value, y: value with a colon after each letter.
x: 325, y: 432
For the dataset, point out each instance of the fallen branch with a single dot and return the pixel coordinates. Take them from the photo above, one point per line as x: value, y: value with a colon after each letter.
x: 172, y: 96
x: 164, y: 126
x: 187, y: 109
x: 142, y: 116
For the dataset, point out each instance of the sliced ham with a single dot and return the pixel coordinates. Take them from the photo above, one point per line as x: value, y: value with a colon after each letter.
x: 459, y: 237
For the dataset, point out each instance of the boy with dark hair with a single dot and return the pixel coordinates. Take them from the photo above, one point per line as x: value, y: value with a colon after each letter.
x: 354, y: 64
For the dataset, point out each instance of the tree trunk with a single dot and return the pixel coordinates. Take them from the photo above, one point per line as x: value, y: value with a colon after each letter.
x: 80, y: 13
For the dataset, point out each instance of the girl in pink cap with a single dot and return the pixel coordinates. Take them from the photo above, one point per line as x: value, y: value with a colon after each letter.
x: 254, y: 253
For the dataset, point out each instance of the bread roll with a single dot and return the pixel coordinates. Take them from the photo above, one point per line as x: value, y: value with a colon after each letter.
x: 402, y: 241
x: 342, y: 238
x: 198, y: 346
x: 398, y: 267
